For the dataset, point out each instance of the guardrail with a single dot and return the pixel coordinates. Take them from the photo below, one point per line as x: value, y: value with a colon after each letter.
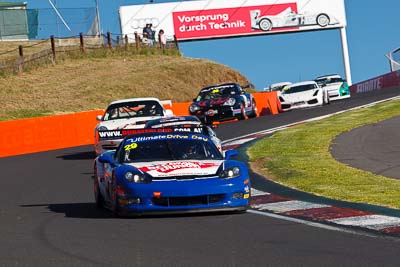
x: 69, y: 130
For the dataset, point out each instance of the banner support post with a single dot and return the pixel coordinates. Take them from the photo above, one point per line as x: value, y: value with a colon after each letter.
x: 346, y: 59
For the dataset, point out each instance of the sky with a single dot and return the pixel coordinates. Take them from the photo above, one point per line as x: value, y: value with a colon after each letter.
x: 373, y: 29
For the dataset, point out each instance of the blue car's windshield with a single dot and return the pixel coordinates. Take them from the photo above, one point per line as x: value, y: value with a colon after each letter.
x: 169, y: 149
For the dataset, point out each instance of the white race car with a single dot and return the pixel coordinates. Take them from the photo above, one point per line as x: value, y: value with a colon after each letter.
x: 289, y: 18
x: 125, y: 114
x: 303, y: 94
x: 336, y: 86
x: 277, y: 87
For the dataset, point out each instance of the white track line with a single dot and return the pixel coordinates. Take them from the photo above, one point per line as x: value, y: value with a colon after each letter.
x: 285, y: 206
x: 241, y: 141
x: 375, y: 222
x: 272, y: 130
x: 255, y: 192
x: 321, y: 226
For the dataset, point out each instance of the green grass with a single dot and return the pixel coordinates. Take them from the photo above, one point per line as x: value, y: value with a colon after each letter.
x: 300, y: 158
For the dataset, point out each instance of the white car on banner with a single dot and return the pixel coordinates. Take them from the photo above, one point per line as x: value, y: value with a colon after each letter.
x: 125, y: 114
x: 336, y: 86
x: 303, y: 94
x: 289, y: 18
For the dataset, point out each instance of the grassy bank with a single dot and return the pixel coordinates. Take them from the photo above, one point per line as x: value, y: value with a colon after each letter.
x: 87, y: 82
x: 300, y: 158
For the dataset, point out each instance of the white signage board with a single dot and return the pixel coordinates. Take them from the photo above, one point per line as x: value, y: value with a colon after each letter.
x: 194, y: 20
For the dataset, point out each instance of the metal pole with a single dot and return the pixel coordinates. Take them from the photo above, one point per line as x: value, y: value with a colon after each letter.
x: 346, y: 59
x: 98, y: 17
x: 59, y: 15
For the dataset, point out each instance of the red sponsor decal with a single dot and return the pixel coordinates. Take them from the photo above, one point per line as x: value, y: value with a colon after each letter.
x: 210, y: 113
x: 219, y: 101
x: 142, y: 131
x: 172, y: 166
x: 223, y: 22
x: 203, y: 103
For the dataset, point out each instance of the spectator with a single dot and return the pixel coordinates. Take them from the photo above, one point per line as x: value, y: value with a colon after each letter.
x: 148, y: 33
x: 163, y: 38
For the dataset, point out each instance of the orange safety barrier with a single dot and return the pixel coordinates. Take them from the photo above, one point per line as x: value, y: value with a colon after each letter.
x: 68, y: 130
x: 267, y: 103
x: 181, y: 109
x: 47, y: 133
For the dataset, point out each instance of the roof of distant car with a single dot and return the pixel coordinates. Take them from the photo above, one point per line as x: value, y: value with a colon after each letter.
x: 136, y: 100
x: 220, y: 85
x: 328, y: 76
x: 301, y: 83
x: 174, y: 120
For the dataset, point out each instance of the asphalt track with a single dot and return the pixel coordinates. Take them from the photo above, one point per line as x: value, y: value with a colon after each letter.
x: 374, y: 148
x: 47, y: 218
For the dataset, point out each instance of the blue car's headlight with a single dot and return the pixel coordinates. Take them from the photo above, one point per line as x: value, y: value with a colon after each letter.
x: 230, y: 102
x: 193, y: 108
x: 231, y: 172
x: 139, y: 178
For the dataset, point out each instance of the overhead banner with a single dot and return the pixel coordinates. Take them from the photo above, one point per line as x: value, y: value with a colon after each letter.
x: 193, y: 20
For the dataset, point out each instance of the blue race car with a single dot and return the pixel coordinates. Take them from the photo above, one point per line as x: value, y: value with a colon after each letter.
x: 163, y: 171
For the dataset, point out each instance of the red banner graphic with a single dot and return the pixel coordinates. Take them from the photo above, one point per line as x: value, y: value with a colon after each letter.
x: 224, y: 22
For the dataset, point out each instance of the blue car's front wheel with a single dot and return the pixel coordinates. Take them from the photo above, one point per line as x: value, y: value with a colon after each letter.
x: 98, y: 197
x: 114, y: 206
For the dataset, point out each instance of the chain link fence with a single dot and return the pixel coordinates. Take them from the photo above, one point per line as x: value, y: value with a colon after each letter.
x: 38, y: 24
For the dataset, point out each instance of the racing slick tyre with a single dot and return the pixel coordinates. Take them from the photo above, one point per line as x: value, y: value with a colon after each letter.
x: 253, y: 109
x: 242, y: 115
x: 326, y: 100
x: 99, y: 200
x: 114, y: 200
x: 323, y: 20
x: 98, y: 197
x: 265, y: 24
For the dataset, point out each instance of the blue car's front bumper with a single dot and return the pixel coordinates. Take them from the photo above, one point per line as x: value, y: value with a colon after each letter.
x: 195, y: 195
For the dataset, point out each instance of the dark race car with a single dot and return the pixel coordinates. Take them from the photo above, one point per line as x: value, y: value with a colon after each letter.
x: 223, y: 102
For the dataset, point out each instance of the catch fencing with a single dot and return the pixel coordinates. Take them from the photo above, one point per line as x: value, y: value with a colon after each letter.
x: 16, y: 57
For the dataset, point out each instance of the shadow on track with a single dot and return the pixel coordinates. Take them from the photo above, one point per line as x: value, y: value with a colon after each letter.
x: 78, y: 156
x: 75, y: 210
x: 89, y: 211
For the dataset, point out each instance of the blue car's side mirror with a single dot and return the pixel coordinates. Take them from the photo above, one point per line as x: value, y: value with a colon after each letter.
x: 106, y: 158
x: 230, y: 153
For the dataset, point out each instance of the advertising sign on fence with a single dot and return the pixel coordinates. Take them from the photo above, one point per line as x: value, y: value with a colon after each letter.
x: 193, y: 20
x: 386, y: 81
